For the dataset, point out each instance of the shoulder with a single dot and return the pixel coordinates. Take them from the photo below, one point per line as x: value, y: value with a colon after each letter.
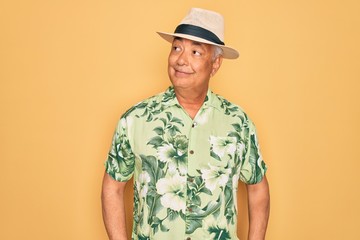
x: 239, y: 118
x: 228, y: 107
x: 145, y: 105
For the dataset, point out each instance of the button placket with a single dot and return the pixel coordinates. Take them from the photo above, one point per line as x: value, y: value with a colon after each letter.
x: 190, y: 179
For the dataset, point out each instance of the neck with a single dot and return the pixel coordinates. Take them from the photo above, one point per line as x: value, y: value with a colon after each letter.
x: 190, y: 100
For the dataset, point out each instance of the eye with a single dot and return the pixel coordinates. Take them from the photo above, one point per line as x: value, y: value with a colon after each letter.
x: 197, y: 53
x: 176, y: 48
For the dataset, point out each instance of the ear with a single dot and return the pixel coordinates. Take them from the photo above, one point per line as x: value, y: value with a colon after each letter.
x: 216, y: 65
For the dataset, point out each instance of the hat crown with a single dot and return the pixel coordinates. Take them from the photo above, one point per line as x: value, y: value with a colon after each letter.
x: 204, y: 26
x: 209, y: 20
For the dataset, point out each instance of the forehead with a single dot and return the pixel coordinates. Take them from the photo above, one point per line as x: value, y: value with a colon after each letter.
x: 193, y: 43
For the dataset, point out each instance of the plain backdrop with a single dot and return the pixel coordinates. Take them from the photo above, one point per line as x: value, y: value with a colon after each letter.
x: 69, y: 69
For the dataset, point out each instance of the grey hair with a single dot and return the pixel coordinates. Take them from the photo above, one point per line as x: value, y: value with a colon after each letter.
x: 217, y: 52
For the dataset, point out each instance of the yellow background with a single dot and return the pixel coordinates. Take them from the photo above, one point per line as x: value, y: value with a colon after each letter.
x: 70, y: 68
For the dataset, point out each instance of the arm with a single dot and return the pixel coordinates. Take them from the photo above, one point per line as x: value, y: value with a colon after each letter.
x: 259, y: 208
x: 112, y: 198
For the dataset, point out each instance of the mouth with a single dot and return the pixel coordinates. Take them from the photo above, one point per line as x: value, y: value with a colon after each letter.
x: 182, y: 73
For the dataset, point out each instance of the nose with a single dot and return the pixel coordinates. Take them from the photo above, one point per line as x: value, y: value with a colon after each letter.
x: 182, y: 59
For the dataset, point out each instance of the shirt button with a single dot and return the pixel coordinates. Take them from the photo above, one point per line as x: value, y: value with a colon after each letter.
x: 188, y: 238
x: 191, y: 152
x: 194, y: 124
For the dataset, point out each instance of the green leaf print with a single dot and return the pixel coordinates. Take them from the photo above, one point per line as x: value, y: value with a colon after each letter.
x: 177, y: 120
x: 173, y: 119
x: 143, y: 237
x: 236, y: 135
x: 156, y: 141
x: 155, y: 224
x: 214, y: 155
x: 243, y: 120
x: 206, y: 191
x: 156, y: 206
x: 163, y: 228
x: 194, y: 219
x: 171, y: 214
x: 141, y: 105
x: 169, y: 95
x: 220, y: 234
x: 172, y: 129
x: 159, y: 131
x: 227, y: 106
x: 253, y: 158
x: 150, y: 117
x: 237, y: 127
x: 192, y: 225
x: 144, y: 113
x: 163, y: 120
x: 169, y: 116
x: 229, y: 203
x: 150, y: 165
x: 213, y: 207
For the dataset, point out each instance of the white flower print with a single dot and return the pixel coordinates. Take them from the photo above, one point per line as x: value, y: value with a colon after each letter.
x: 222, y: 146
x: 240, y: 149
x: 173, y: 191
x: 175, y: 153
x: 216, y: 228
x: 203, y: 116
x: 235, y: 180
x: 171, y: 171
x: 215, y: 176
x: 166, y: 153
x: 142, y: 184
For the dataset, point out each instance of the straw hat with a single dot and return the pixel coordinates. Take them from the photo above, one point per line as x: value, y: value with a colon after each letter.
x: 203, y: 26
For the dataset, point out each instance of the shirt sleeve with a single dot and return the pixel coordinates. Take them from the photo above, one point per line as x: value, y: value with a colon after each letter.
x: 121, y: 159
x: 252, y: 165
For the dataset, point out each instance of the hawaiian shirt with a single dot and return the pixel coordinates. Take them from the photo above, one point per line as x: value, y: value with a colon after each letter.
x: 185, y: 171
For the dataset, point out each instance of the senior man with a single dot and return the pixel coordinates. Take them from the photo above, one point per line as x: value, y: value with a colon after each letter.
x: 186, y: 150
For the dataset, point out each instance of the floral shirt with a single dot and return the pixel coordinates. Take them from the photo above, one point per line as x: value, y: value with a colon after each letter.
x: 186, y: 171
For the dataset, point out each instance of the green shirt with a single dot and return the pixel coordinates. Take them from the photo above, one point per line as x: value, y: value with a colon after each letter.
x: 186, y: 171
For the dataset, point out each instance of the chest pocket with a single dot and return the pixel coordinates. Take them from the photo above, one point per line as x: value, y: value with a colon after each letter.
x: 222, y: 150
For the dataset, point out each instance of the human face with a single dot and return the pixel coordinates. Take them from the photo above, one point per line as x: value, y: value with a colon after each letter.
x: 191, y: 64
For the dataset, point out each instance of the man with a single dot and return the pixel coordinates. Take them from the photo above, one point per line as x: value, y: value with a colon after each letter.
x: 186, y: 149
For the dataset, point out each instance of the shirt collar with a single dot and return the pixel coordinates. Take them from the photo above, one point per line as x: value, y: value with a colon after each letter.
x: 169, y: 99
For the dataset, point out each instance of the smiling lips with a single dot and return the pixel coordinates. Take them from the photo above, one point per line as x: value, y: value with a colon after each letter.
x: 181, y: 73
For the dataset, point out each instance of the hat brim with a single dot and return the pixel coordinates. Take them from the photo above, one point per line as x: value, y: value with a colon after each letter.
x: 228, y: 52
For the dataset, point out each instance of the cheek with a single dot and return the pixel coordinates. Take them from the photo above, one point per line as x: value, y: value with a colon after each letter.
x: 203, y: 68
x: 170, y: 68
x: 170, y: 64
x: 171, y: 59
